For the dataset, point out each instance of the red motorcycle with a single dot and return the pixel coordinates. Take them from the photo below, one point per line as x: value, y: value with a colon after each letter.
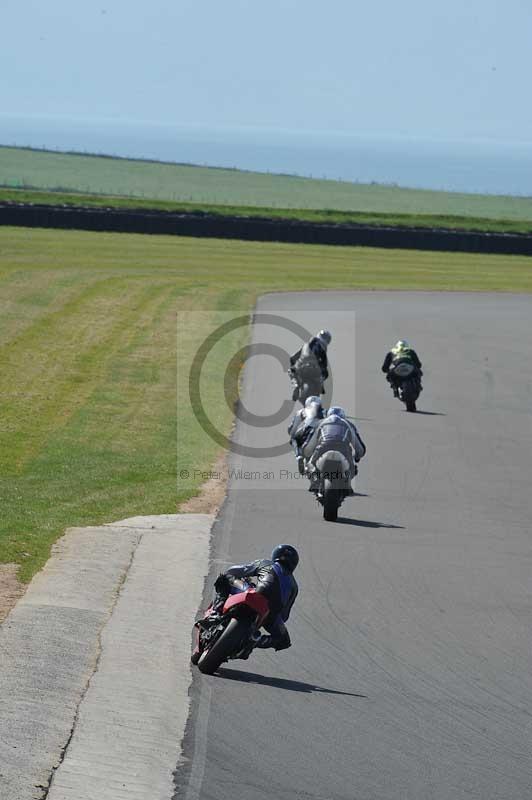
x: 232, y: 634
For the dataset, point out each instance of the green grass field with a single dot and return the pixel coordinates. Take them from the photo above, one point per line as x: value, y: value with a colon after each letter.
x: 94, y: 414
x: 23, y: 169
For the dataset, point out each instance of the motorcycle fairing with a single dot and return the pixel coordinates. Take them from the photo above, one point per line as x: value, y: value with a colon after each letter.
x: 333, y: 456
x: 250, y: 598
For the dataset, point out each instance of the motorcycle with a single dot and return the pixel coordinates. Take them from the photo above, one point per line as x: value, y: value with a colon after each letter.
x: 308, y: 388
x: 232, y: 634
x: 303, y: 432
x: 309, y: 382
x: 409, y: 385
x: 331, y: 480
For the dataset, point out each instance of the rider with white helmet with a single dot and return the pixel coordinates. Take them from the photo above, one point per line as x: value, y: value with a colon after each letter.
x: 310, y: 362
x: 302, y: 425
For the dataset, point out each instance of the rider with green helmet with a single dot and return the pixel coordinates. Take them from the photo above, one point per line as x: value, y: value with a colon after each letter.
x: 401, y: 353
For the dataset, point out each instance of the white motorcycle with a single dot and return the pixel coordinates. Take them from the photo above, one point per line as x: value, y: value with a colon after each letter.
x: 331, y: 481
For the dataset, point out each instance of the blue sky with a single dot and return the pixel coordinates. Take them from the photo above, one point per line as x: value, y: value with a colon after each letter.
x: 453, y: 70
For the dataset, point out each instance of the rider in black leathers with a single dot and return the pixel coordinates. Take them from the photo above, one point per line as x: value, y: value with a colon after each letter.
x: 401, y: 353
x: 274, y: 579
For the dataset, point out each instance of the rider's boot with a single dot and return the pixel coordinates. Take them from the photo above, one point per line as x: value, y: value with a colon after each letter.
x: 312, y: 475
x: 295, y: 384
x: 264, y: 641
x: 313, y: 487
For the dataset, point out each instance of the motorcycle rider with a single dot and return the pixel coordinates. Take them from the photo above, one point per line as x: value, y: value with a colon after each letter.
x: 335, y: 432
x: 302, y: 425
x: 275, y: 580
x: 401, y: 353
x: 310, y: 360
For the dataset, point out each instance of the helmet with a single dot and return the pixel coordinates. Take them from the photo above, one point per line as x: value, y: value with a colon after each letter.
x: 286, y: 555
x: 336, y: 411
x: 325, y: 337
x: 402, y: 344
x: 314, y: 410
x: 312, y: 399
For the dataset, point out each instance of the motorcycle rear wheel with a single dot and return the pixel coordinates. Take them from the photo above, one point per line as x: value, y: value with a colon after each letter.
x: 304, y: 392
x: 229, y: 643
x: 330, y: 501
x: 309, y: 388
x: 409, y: 395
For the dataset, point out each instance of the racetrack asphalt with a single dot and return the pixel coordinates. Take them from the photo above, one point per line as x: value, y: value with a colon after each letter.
x: 409, y: 675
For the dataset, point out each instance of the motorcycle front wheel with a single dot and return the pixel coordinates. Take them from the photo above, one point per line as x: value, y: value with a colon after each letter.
x: 230, y: 642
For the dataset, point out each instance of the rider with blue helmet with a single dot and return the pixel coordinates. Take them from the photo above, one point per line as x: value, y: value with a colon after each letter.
x: 273, y: 577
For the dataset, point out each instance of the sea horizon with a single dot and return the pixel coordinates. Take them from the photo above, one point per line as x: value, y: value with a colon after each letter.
x: 468, y: 166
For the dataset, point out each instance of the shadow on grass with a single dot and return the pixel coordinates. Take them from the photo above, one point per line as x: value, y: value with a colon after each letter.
x: 279, y: 683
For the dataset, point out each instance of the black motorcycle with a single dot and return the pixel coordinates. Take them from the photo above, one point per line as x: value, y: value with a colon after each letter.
x: 309, y: 388
x: 408, y: 383
x: 306, y: 385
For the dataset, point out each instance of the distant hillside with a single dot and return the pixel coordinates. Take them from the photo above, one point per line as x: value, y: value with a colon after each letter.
x: 24, y: 168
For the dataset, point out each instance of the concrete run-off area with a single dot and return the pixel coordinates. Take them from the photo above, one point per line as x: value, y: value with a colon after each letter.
x: 94, y: 662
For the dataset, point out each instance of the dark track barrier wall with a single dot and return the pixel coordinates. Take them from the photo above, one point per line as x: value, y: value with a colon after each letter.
x: 261, y: 229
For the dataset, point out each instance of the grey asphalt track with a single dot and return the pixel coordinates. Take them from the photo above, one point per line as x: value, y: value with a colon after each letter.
x: 409, y: 676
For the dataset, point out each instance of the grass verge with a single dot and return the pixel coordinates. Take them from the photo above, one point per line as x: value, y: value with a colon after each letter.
x: 91, y: 395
